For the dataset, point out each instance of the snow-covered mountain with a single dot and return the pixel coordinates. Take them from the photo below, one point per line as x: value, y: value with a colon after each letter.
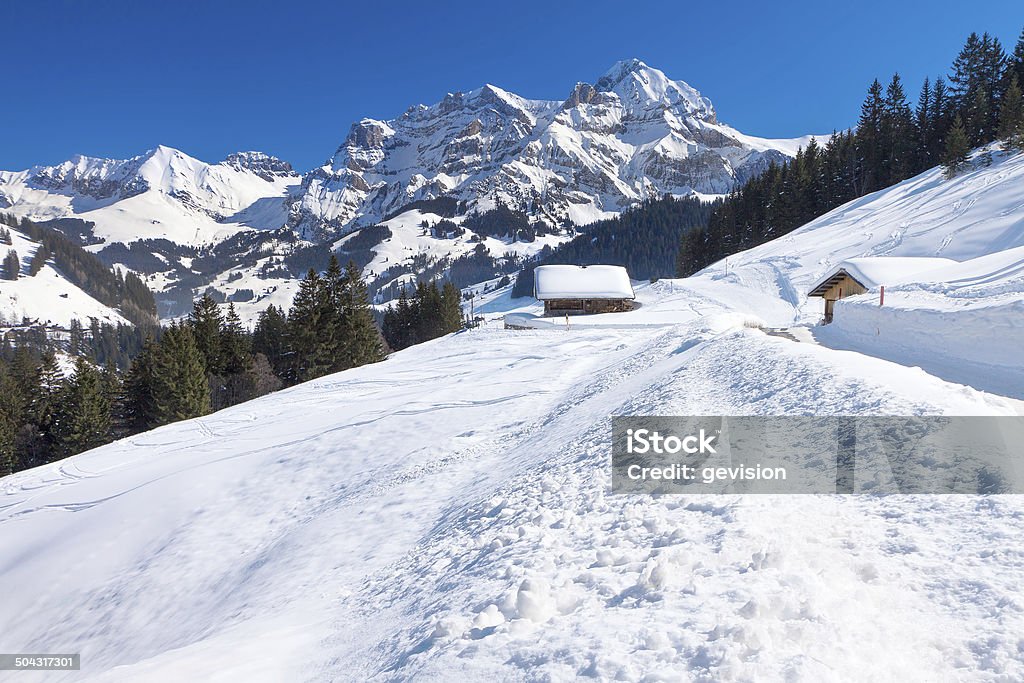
x: 446, y: 514
x: 633, y: 134
x: 162, y: 194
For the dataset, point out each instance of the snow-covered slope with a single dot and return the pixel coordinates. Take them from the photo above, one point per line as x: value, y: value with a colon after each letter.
x: 446, y: 515
x: 978, y: 213
x: 635, y: 133
x: 961, y: 321
x: 47, y: 297
x: 162, y: 194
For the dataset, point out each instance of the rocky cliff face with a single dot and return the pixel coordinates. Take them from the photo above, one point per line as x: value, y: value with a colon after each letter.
x: 260, y: 164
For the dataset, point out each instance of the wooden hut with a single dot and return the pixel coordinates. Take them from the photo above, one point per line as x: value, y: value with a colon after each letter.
x: 583, y: 289
x: 858, y: 275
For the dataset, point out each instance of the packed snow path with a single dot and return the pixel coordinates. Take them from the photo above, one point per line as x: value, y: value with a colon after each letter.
x: 445, y: 514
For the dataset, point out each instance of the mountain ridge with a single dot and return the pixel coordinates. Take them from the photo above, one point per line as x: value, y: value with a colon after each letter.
x: 632, y: 135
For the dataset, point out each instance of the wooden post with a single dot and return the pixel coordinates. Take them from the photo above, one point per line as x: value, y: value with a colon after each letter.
x: 881, y: 295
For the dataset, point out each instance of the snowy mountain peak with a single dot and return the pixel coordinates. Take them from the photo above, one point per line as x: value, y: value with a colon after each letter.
x: 92, y: 177
x: 368, y: 133
x: 640, y: 85
x: 160, y: 194
x: 635, y: 133
x: 623, y: 68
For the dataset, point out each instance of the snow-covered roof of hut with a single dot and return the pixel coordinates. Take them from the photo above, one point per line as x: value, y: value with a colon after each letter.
x: 582, y: 282
x: 873, y: 271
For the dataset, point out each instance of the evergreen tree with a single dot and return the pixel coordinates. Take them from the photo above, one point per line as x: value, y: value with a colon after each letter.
x: 399, y: 321
x: 978, y: 82
x: 870, y: 139
x: 12, y: 265
x: 430, y: 323
x: 113, y: 390
x: 40, y: 383
x: 1011, y: 116
x: 958, y: 148
x: 239, y: 383
x: 10, y: 414
x: 139, y: 410
x: 360, y: 339
x: 994, y: 79
x: 180, y: 388
x: 899, y: 133
x: 1015, y: 65
x: 76, y: 338
x: 206, y: 321
x: 942, y: 119
x: 82, y: 420
x: 310, y: 347
x: 451, y: 308
x: 235, y: 345
x: 966, y: 76
x: 332, y: 322
x: 923, y: 122
x: 38, y: 260
x: 270, y: 338
x: 976, y: 123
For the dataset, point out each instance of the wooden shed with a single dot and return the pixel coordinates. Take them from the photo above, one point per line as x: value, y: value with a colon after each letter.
x: 859, y: 275
x: 834, y: 287
x: 568, y: 289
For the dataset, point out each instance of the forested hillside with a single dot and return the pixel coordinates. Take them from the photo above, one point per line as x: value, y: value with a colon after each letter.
x: 643, y: 239
x: 980, y: 103
x: 123, y: 291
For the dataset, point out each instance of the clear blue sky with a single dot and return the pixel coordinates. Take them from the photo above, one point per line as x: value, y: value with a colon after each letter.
x: 116, y: 78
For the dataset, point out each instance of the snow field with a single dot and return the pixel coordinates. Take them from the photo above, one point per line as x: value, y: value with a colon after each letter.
x: 446, y: 512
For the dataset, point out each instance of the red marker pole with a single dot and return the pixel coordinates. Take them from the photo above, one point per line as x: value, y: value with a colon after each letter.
x: 881, y: 295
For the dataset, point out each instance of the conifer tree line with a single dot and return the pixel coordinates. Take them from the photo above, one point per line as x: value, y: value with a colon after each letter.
x: 980, y: 104
x: 429, y: 313
x: 44, y: 416
x: 205, y: 362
